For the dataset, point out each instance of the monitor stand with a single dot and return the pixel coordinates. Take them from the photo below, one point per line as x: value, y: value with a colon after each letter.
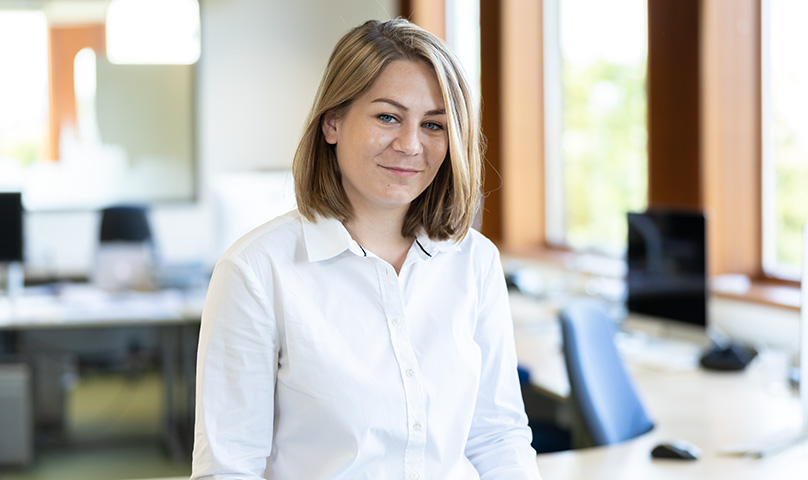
x: 12, y: 279
x: 661, y: 343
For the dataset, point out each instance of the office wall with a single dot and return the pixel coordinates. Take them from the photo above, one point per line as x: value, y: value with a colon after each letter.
x: 261, y: 62
x: 156, y: 131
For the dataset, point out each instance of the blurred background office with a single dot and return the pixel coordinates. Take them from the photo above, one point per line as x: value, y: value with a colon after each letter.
x: 196, y: 141
x: 591, y: 110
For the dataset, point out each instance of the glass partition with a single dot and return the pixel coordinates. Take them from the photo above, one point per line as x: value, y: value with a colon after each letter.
x: 78, y: 131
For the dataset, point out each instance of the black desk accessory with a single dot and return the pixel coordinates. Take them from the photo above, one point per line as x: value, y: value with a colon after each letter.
x: 729, y: 357
x: 676, y: 450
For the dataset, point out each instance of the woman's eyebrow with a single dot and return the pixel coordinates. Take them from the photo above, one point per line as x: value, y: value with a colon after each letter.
x: 396, y: 104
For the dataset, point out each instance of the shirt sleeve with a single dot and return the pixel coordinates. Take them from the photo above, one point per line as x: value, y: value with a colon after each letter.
x: 236, y: 371
x: 499, y: 438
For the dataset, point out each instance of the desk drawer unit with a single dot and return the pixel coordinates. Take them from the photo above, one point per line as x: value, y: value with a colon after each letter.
x: 16, y: 422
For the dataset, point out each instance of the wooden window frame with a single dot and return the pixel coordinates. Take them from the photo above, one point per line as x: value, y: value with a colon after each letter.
x: 704, y: 128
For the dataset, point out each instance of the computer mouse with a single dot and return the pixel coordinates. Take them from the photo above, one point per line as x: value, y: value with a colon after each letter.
x: 676, y: 450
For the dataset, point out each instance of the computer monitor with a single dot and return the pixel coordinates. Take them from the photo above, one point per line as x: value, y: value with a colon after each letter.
x: 11, y: 227
x: 667, y: 265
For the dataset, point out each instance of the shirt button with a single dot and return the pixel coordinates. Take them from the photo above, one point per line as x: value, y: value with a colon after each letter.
x: 417, y: 427
x: 410, y: 372
x: 415, y: 475
x: 396, y: 321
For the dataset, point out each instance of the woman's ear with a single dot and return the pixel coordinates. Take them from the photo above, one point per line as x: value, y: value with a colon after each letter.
x: 329, y: 126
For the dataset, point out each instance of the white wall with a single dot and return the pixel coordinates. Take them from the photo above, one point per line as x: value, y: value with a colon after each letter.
x: 260, y: 66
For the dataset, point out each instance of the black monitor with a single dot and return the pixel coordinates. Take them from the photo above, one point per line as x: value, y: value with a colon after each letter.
x: 667, y: 265
x: 11, y: 234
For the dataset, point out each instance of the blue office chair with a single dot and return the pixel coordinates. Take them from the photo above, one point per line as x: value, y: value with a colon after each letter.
x: 607, y: 407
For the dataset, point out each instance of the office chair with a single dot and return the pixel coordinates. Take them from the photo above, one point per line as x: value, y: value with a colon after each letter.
x: 125, y: 223
x: 126, y: 257
x: 606, y: 406
x: 548, y: 434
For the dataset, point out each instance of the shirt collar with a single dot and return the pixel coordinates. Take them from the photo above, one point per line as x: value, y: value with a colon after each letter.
x: 428, y: 248
x: 326, y: 238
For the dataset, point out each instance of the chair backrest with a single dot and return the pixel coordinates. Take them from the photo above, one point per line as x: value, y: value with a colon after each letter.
x: 126, y: 257
x: 125, y: 223
x: 603, y: 394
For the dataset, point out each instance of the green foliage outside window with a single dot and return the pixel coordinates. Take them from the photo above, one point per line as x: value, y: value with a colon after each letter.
x: 791, y: 170
x: 604, y: 151
x: 786, y: 193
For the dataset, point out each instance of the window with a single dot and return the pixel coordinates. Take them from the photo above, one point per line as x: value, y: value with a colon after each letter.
x: 78, y: 131
x: 785, y: 135
x: 595, y: 140
x: 463, y: 37
x: 23, y: 93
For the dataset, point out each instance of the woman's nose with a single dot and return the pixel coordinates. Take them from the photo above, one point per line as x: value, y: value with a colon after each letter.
x: 408, y: 140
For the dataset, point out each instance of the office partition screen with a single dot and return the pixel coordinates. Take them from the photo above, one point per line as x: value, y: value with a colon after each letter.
x: 11, y: 233
x: 667, y: 265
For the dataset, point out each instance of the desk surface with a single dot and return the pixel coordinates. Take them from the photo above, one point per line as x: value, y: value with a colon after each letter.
x: 79, y: 305
x: 713, y: 410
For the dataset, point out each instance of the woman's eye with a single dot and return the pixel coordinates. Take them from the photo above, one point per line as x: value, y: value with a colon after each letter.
x: 433, y: 126
x: 387, y: 118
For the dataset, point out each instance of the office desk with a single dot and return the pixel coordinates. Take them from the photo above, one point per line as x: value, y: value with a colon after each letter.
x: 712, y: 410
x: 79, y: 305
x: 174, y: 313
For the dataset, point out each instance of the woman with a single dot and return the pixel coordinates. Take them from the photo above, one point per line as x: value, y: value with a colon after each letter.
x: 367, y: 334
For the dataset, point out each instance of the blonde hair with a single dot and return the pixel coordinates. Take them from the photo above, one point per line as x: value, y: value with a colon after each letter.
x: 446, y: 208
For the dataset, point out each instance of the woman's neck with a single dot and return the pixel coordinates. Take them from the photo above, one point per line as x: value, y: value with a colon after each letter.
x: 381, y: 234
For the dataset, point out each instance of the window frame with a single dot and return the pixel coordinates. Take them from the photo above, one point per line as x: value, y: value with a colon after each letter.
x: 705, y: 146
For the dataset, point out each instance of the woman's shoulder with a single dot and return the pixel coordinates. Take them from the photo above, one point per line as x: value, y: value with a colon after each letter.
x: 474, y: 250
x: 478, y: 244
x: 276, y: 237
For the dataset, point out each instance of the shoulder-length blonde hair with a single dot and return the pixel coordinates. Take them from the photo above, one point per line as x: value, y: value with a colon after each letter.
x: 446, y: 208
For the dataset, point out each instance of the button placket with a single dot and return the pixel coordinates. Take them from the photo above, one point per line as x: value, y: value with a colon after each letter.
x: 414, y: 390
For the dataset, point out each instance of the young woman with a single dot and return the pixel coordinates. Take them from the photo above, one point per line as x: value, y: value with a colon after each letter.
x: 367, y: 334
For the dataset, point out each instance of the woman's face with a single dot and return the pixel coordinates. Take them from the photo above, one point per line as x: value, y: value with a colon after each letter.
x: 392, y: 140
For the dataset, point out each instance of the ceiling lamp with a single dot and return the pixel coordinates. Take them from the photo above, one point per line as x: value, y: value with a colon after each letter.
x: 153, y: 31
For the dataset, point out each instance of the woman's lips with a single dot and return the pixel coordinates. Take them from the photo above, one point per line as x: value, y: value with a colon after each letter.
x: 401, y: 171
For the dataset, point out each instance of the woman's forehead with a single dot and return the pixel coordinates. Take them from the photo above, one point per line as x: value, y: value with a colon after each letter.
x: 407, y: 84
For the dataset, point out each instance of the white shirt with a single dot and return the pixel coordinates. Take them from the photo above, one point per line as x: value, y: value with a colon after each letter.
x: 316, y: 361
